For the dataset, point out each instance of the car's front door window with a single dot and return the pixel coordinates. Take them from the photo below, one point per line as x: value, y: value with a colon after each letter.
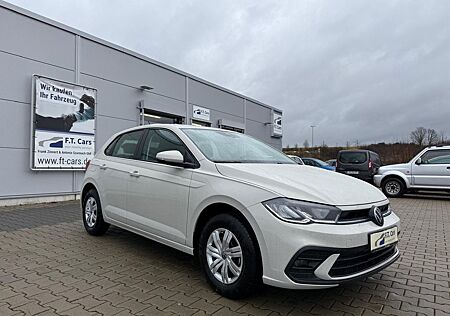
x: 434, y: 157
x: 159, y: 140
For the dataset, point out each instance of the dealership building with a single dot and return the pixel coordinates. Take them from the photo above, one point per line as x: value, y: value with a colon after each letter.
x: 129, y: 89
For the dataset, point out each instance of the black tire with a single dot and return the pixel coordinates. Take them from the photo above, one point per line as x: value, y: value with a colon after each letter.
x: 250, y: 274
x: 393, y: 187
x: 98, y: 226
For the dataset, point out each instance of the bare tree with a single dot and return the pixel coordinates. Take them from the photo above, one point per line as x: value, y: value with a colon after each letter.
x: 306, y: 143
x: 442, y: 137
x: 432, y: 137
x: 418, y: 136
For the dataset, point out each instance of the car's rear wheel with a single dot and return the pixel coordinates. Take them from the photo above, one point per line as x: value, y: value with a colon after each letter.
x: 92, y: 214
x: 393, y: 187
x: 229, y: 257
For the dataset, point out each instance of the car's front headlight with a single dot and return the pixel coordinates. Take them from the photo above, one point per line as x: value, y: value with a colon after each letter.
x: 302, y: 212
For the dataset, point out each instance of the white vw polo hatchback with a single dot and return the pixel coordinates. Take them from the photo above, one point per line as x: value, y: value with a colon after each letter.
x: 246, y: 210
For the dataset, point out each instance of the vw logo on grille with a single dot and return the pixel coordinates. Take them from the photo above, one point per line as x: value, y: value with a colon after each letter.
x: 376, y: 216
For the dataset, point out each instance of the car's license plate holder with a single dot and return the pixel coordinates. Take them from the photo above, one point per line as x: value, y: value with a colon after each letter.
x: 352, y: 172
x: 383, y: 238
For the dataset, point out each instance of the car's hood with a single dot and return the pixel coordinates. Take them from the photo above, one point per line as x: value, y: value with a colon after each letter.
x: 399, y: 167
x: 305, y: 183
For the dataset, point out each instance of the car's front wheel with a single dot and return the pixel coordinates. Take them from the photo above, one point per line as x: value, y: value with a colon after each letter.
x: 393, y: 187
x: 92, y: 214
x: 229, y: 257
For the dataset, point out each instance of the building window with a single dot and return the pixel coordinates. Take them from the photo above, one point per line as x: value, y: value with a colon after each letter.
x: 200, y: 123
x: 153, y: 117
x: 231, y: 128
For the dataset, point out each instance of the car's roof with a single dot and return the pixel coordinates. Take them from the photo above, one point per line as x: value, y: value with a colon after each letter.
x: 353, y: 150
x: 440, y: 147
x: 312, y: 158
x: 174, y: 127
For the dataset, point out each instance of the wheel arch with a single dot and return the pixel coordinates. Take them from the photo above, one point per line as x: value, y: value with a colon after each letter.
x: 396, y: 175
x: 89, y: 184
x: 86, y: 188
x: 224, y: 208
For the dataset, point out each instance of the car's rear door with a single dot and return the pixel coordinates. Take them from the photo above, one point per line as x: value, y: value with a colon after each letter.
x: 434, y: 170
x: 158, y: 194
x: 114, y: 173
x: 353, y: 163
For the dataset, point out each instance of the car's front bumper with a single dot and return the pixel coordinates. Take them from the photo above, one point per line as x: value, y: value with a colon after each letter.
x: 377, y: 179
x: 280, y: 242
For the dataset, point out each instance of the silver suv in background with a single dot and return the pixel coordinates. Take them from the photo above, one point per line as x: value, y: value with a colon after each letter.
x: 429, y: 170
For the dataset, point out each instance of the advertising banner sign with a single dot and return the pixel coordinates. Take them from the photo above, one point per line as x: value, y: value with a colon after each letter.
x: 277, y: 130
x: 62, y: 125
x: 200, y: 113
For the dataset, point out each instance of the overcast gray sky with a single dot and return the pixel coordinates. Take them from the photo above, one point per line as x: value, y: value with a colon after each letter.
x: 369, y: 70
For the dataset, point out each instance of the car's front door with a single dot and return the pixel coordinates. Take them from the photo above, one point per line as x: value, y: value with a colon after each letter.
x: 433, y: 170
x: 158, y: 194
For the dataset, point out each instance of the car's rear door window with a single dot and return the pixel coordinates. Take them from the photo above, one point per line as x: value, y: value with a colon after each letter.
x: 125, y: 145
x: 375, y: 158
x: 353, y: 157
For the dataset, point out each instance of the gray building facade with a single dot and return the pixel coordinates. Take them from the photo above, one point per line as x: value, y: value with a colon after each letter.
x: 31, y: 44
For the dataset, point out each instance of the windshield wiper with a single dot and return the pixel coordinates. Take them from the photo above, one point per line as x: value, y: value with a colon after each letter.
x: 229, y: 161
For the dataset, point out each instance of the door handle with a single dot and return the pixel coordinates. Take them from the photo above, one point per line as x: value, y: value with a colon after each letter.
x: 134, y: 173
x: 448, y: 168
x: 103, y: 166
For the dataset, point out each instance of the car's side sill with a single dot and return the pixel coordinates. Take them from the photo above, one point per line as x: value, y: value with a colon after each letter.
x: 428, y: 188
x: 154, y: 237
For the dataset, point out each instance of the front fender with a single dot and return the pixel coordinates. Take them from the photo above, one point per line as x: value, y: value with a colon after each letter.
x: 395, y: 173
x: 218, y: 199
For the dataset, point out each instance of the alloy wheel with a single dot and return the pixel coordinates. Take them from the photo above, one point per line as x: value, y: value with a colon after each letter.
x: 90, y: 212
x: 224, y: 256
x: 392, y: 187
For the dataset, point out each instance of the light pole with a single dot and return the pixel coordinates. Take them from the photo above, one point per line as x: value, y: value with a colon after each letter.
x: 312, y: 135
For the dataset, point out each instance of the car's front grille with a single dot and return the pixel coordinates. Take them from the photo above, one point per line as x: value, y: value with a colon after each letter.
x: 350, y: 261
x: 359, y: 259
x: 360, y: 215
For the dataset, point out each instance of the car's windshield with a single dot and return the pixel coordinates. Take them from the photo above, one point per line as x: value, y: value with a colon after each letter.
x: 231, y: 147
x: 296, y: 159
x: 320, y: 162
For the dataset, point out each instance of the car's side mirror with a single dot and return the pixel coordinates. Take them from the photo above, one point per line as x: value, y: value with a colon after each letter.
x: 174, y: 158
x: 171, y: 157
x: 419, y: 161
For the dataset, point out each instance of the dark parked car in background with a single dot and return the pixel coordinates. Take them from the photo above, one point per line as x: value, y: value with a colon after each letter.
x: 362, y: 164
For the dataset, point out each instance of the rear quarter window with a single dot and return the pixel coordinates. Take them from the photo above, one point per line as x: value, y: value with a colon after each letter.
x: 353, y: 157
